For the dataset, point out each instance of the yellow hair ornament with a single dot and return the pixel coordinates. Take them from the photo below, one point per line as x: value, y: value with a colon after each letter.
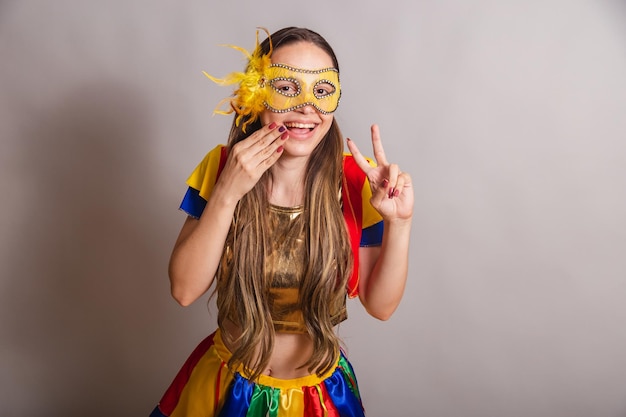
x: 249, y: 99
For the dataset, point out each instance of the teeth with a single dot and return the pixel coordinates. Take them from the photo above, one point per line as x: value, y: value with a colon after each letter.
x: 301, y: 125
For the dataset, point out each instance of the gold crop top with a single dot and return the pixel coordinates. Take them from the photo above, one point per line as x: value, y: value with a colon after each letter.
x: 285, y: 264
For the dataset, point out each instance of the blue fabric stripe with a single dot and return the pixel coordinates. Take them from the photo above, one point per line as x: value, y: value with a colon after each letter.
x: 238, y: 399
x: 342, y: 396
x: 192, y: 203
x: 157, y: 412
x: 373, y: 235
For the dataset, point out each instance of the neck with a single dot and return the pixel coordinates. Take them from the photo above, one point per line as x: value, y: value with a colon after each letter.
x: 287, y: 185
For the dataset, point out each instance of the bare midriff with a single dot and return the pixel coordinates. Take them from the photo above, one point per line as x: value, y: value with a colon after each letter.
x: 290, y: 353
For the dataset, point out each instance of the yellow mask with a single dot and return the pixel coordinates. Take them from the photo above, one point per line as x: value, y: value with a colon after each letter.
x: 290, y: 88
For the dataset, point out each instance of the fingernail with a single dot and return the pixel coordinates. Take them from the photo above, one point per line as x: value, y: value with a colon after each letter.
x: 280, y: 149
x: 284, y: 135
x: 391, y: 192
x: 272, y: 125
x: 281, y: 129
x: 385, y: 183
x: 396, y: 193
x: 349, y: 140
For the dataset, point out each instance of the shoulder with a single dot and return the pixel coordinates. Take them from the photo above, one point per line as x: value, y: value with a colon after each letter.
x: 358, y: 190
x: 210, y: 165
x: 215, y: 155
x: 352, y: 173
x: 202, y: 179
x: 351, y: 169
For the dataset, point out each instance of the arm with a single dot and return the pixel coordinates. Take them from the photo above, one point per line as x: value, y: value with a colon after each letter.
x: 383, y: 270
x: 198, y: 249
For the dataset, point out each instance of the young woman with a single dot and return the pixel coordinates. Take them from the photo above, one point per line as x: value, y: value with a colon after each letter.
x: 287, y: 226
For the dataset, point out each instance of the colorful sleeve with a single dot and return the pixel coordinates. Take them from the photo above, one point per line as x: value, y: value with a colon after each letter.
x: 373, y: 235
x: 365, y: 225
x: 372, y: 222
x: 202, y: 180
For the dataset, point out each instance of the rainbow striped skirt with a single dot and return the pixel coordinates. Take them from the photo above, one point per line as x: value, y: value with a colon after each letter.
x: 206, y: 387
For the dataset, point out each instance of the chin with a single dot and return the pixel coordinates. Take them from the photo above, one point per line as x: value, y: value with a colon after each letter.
x: 299, y: 146
x: 298, y: 149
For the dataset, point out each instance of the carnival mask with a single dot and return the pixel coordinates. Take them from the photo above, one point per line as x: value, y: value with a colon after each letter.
x: 291, y: 88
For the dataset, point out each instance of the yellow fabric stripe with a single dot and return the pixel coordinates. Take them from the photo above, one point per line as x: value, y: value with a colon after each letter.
x: 291, y: 403
x: 370, y: 215
x: 203, y: 178
x: 198, y: 396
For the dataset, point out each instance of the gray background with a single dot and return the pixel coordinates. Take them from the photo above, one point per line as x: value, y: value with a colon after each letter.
x: 508, y: 115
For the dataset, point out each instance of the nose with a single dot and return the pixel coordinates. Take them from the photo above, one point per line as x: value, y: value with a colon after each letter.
x: 307, y: 109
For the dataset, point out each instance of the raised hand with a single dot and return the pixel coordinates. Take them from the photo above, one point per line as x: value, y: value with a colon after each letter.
x: 250, y: 158
x: 392, y: 193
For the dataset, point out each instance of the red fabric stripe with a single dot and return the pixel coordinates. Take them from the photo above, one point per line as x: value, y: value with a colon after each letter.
x: 170, y: 398
x: 223, y: 157
x: 316, y: 407
x: 330, y: 407
x: 353, y: 180
x: 312, y: 405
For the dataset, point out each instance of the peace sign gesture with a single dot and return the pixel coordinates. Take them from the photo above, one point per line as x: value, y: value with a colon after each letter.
x: 392, y: 193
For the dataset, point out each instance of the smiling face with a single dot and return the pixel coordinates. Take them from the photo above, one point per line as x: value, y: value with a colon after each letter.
x: 303, y: 97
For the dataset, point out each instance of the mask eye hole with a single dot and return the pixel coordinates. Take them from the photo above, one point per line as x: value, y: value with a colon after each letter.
x: 286, y: 86
x: 324, y: 88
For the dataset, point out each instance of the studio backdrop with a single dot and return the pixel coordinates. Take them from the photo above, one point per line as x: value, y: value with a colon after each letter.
x: 509, y: 116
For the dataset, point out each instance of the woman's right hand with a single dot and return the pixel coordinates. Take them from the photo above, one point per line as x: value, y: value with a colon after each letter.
x: 250, y: 158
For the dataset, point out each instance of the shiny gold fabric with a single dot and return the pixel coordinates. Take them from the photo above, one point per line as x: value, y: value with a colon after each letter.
x: 285, y: 266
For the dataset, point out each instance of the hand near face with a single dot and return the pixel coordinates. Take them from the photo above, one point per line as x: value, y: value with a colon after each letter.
x: 392, y: 193
x: 250, y: 158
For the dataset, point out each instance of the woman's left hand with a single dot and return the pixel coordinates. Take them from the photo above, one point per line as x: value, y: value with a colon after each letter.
x: 392, y: 193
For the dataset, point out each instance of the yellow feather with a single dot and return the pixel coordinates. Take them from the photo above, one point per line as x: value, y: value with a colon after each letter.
x: 249, y: 99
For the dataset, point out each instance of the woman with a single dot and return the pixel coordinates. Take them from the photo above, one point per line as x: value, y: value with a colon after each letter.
x: 287, y: 226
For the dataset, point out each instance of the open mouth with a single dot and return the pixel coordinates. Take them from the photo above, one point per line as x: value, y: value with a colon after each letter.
x: 300, y: 127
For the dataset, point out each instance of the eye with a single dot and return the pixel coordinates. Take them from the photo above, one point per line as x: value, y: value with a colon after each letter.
x: 286, y: 86
x: 323, y: 89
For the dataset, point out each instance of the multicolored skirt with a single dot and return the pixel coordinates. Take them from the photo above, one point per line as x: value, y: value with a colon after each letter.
x: 206, y: 387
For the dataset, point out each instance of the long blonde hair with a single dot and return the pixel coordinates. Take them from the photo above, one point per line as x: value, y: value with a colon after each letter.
x: 328, y: 252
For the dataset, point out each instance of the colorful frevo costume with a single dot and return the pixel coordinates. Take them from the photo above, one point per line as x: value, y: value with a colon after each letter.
x: 206, y: 386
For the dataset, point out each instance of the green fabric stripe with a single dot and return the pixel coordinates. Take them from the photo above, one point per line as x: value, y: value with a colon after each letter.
x: 275, y: 401
x: 264, y: 402
x: 345, y: 367
x: 259, y: 403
